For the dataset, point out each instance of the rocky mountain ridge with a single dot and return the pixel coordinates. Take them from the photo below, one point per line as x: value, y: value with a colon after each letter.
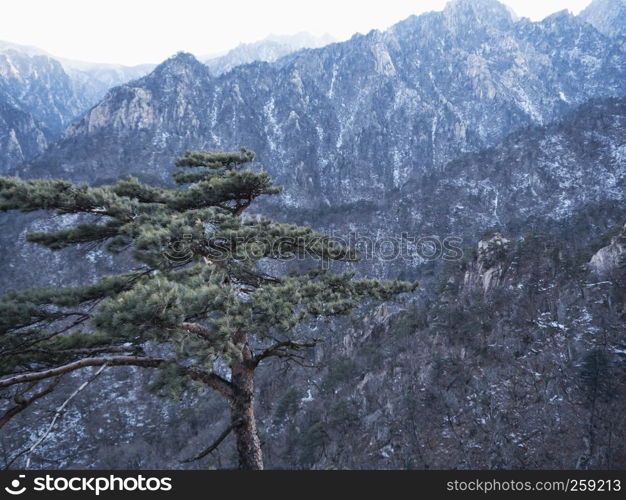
x: 269, y: 49
x: 352, y: 120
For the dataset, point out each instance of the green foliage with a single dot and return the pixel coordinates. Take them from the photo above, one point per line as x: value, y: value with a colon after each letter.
x: 170, y: 383
x: 30, y: 307
x: 199, y: 264
x: 311, y: 442
x: 288, y: 405
x: 83, y: 233
x: 595, y: 375
x: 215, y: 159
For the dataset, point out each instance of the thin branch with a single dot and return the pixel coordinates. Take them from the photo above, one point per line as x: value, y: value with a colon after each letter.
x: 86, y: 350
x: 22, y: 403
x: 199, y: 330
x: 83, y: 363
x: 59, y: 412
x: 281, y: 350
x: 213, y: 380
x: 29, y: 343
x: 215, y: 444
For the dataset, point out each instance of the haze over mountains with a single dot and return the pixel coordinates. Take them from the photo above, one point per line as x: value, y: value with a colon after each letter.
x: 269, y: 50
x: 468, y: 122
x: 44, y: 93
x: 388, y: 105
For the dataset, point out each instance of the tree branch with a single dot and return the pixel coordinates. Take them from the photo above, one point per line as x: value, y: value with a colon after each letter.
x: 22, y: 403
x: 281, y: 350
x: 83, y: 363
x: 199, y: 330
x: 86, y: 350
x: 213, y: 380
x: 215, y: 443
x: 59, y: 413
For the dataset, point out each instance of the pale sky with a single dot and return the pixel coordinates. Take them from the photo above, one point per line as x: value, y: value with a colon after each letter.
x: 142, y: 31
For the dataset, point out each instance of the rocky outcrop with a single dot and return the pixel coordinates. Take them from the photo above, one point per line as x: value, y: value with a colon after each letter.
x: 21, y: 136
x: 41, y: 87
x: 486, y: 272
x: 607, y: 16
x: 610, y: 260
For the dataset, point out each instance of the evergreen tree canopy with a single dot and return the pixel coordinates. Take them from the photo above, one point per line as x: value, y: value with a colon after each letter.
x: 197, y: 294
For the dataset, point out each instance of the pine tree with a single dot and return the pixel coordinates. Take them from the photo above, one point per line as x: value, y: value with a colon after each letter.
x: 198, y: 292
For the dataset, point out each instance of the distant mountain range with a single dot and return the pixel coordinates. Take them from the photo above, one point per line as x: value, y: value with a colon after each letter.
x: 353, y: 120
x: 269, y: 50
x: 41, y: 94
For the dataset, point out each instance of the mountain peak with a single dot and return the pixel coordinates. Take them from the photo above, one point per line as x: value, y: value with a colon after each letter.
x: 561, y: 14
x: 180, y: 65
x: 607, y: 16
x: 269, y: 49
x: 482, y: 11
x: 178, y: 60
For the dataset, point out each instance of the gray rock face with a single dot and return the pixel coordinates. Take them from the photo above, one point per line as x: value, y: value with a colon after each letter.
x: 92, y: 81
x: 47, y: 94
x: 487, y: 271
x: 610, y: 260
x: 607, y: 16
x: 354, y: 120
x: 21, y: 136
x: 41, y: 87
x: 37, y: 101
x: 549, y: 173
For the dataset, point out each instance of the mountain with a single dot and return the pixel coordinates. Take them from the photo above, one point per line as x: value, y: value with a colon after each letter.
x: 90, y: 80
x: 53, y: 91
x: 567, y: 179
x: 37, y: 101
x: 543, y: 172
x: 355, y: 120
x: 41, y: 87
x: 516, y: 363
x: 607, y: 16
x: 270, y: 49
x: 487, y: 366
x: 45, y: 95
x: 93, y: 80
x: 21, y: 136
x: 500, y: 135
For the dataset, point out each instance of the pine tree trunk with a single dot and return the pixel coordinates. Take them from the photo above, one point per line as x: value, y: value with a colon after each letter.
x: 242, y: 410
